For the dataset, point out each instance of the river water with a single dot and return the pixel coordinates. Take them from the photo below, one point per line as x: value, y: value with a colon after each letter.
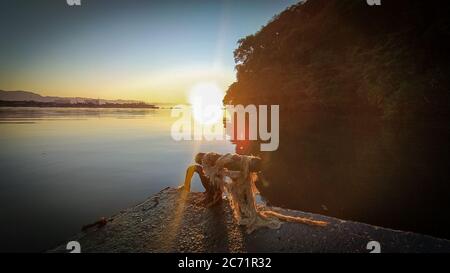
x: 62, y: 168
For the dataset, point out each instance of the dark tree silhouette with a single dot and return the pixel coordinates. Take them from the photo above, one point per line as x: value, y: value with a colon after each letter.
x: 347, y: 57
x: 355, y: 84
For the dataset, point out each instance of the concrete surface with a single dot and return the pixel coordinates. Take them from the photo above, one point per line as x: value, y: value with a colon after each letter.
x: 166, y: 223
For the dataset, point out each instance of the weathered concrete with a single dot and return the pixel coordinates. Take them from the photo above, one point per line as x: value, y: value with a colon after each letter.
x: 166, y: 223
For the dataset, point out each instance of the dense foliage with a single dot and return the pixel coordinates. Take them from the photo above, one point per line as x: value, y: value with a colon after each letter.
x: 346, y: 57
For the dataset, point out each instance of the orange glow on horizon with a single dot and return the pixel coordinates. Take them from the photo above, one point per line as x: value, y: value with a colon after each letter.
x: 171, y: 86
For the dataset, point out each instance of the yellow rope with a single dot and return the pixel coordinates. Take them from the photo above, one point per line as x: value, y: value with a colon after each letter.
x: 187, y: 180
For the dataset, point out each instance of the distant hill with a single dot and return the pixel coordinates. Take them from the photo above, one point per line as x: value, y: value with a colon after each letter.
x: 31, y: 96
x: 24, y: 96
x: 346, y: 57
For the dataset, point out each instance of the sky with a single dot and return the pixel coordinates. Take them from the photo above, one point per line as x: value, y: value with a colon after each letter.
x: 153, y: 51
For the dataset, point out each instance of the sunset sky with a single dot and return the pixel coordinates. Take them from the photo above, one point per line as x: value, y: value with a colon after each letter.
x: 124, y: 49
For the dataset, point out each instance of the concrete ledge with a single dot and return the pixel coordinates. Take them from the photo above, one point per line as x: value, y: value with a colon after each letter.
x: 164, y: 223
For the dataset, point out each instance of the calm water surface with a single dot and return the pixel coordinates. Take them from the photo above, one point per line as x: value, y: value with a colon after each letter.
x: 63, y: 168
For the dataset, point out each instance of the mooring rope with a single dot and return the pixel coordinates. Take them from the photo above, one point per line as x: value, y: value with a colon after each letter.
x: 241, y: 190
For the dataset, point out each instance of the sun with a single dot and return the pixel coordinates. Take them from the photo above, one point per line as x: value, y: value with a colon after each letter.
x: 206, y: 102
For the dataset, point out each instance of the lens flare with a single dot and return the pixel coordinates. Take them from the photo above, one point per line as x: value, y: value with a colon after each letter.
x: 206, y: 101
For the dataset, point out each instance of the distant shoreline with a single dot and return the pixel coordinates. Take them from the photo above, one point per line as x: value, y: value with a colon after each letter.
x: 76, y: 105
